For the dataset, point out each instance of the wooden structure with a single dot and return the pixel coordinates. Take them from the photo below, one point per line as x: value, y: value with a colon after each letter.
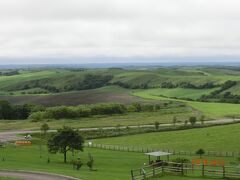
x: 158, y: 155
x: 185, y: 169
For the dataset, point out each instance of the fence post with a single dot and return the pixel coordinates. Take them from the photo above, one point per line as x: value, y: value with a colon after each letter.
x: 132, y: 174
x: 223, y: 171
x: 182, y: 169
x: 153, y: 170
x: 203, y: 170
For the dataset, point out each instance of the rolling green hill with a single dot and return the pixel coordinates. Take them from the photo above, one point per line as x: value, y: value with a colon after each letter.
x: 211, y: 139
x: 211, y: 110
x: 172, y: 82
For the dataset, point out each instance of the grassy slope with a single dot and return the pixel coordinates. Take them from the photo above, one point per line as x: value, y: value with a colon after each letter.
x: 219, y: 138
x: 179, y: 92
x: 104, y: 94
x: 211, y: 110
x: 163, y: 116
x: 110, y: 165
x: 153, y: 77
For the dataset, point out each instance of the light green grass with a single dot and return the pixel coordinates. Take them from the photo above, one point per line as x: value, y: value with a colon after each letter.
x: 211, y: 110
x: 179, y: 92
x: 110, y: 165
x: 102, y: 121
x: 219, y: 138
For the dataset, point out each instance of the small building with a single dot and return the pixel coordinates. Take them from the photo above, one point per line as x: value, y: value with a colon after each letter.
x: 158, y: 155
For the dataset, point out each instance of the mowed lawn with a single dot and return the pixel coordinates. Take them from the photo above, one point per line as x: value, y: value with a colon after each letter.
x: 218, y: 138
x: 179, y: 92
x: 211, y: 110
x: 108, y: 165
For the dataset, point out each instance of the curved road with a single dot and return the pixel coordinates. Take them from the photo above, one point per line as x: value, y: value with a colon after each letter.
x: 13, y: 135
x: 33, y: 175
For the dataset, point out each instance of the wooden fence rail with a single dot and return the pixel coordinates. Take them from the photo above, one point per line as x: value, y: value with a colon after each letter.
x: 174, y: 152
x: 185, y: 169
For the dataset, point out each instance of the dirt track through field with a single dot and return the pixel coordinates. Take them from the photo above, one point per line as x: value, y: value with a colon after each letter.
x: 14, y: 135
x: 34, y: 175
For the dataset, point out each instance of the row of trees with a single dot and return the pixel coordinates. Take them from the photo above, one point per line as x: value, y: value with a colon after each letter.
x: 37, y: 112
x: 221, y: 95
x: 192, y: 120
x: 168, y: 85
x: 8, y: 111
x: 89, y: 81
x: 90, y: 110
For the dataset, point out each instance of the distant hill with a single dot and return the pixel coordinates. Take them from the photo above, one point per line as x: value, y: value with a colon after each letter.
x: 42, y: 84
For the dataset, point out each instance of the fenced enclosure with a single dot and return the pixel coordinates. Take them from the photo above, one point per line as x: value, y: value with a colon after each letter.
x: 174, y: 152
x: 185, y: 169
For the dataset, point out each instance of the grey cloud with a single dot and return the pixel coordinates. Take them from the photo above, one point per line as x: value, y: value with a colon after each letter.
x: 119, y: 28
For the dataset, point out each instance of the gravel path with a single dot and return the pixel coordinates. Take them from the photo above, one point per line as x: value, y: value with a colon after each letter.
x: 34, y: 175
x: 13, y: 135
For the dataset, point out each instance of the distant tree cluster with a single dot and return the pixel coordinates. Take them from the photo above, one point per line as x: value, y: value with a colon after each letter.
x: 8, y: 111
x: 168, y: 85
x: 91, y: 110
x: 188, y: 85
x: 9, y: 73
x: 90, y: 81
x: 131, y: 86
x: 219, y: 96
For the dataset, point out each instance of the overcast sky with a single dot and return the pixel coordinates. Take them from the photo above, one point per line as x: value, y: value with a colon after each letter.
x: 80, y: 31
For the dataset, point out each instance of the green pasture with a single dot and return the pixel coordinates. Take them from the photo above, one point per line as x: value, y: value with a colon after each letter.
x: 163, y: 116
x: 211, y: 110
x: 219, y: 138
x: 179, y: 92
x: 108, y: 165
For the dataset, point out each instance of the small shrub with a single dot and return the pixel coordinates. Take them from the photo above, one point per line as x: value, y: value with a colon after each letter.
x: 90, y: 162
x: 193, y: 120
x: 77, y: 164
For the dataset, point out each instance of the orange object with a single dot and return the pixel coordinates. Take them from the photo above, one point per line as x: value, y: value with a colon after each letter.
x: 23, y: 143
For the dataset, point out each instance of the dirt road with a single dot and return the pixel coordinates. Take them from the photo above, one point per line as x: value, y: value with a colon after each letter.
x: 34, y: 175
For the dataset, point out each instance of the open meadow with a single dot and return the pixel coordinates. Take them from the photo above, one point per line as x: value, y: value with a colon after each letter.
x: 114, y: 98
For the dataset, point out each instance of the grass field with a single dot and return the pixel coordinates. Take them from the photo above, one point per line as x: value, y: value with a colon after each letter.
x: 116, y: 165
x: 179, y: 92
x: 163, y: 116
x: 100, y: 95
x: 219, y: 138
x: 211, y: 110
x: 109, y: 165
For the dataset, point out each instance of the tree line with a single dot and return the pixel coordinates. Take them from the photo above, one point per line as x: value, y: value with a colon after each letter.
x: 81, y: 111
x: 219, y: 96
x: 8, y: 111
x: 168, y: 85
x: 89, y: 81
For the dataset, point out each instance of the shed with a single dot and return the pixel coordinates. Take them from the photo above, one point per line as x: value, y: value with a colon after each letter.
x: 157, y: 154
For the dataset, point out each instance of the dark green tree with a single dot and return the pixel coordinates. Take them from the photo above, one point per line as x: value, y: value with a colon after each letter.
x: 66, y: 139
x: 5, y: 110
x: 200, y: 152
